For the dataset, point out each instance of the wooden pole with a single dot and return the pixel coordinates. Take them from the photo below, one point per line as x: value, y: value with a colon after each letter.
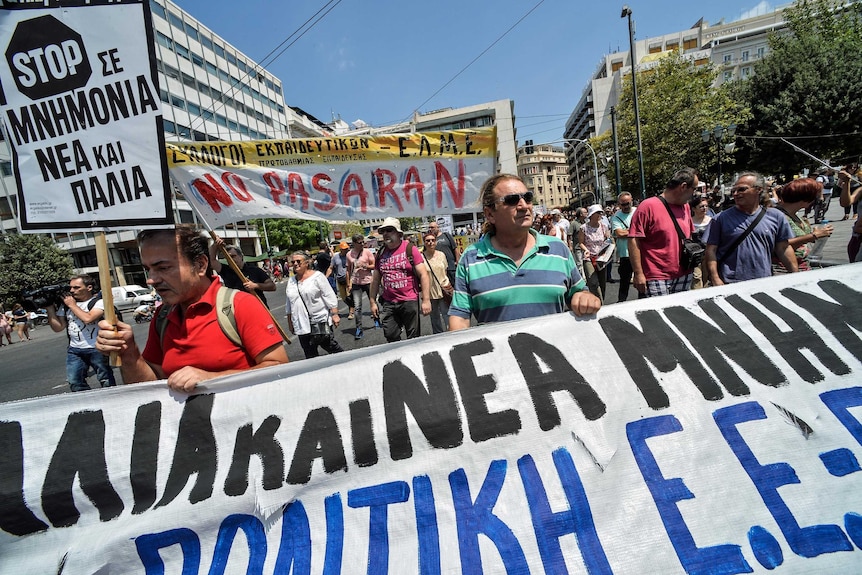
x: 236, y: 269
x: 104, y: 261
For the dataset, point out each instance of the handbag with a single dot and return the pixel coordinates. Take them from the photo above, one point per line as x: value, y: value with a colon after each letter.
x: 447, y: 290
x: 691, y: 251
x: 321, y: 330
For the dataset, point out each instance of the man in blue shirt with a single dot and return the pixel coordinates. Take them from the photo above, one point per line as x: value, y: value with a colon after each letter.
x: 752, y: 258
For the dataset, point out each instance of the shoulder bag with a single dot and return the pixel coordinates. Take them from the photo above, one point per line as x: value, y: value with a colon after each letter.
x: 447, y: 290
x: 321, y: 330
x: 691, y: 251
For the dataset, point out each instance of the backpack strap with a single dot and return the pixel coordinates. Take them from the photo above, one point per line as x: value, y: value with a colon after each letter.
x: 224, y: 314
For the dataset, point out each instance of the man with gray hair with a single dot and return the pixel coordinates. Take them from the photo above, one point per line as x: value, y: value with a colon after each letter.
x: 620, y: 223
x: 743, y: 238
x: 257, y: 279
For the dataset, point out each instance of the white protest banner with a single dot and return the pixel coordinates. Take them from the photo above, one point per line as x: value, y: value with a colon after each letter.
x: 336, y: 178
x: 82, y: 112
x: 710, y: 432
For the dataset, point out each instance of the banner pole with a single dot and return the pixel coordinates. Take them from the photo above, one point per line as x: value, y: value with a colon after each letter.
x: 104, y: 261
x: 816, y: 159
x: 236, y: 269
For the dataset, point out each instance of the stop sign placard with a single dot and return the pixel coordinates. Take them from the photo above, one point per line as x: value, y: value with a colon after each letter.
x: 47, y: 58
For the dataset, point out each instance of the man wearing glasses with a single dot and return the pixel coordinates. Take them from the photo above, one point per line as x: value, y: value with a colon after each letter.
x: 396, y: 273
x: 514, y: 272
x: 80, y: 315
x: 729, y: 260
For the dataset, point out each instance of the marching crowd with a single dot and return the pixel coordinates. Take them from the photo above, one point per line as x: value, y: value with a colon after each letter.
x: 214, y: 318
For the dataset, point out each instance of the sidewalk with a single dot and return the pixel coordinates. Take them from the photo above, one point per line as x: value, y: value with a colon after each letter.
x: 831, y: 251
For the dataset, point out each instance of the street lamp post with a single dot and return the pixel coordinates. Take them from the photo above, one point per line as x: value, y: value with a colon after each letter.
x: 717, y: 135
x: 595, y: 160
x: 627, y: 13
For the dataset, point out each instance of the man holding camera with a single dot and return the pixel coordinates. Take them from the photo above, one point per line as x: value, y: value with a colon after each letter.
x: 79, y: 315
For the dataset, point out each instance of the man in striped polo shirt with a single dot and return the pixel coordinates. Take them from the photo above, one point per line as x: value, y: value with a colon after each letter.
x: 513, y: 272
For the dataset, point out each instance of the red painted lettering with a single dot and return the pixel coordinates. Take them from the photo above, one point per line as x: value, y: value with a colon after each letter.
x: 384, y: 184
x: 352, y: 187
x: 443, y: 176
x: 295, y: 187
x: 275, y: 185
x: 237, y: 186
x: 318, y: 182
x: 413, y: 183
x: 212, y: 192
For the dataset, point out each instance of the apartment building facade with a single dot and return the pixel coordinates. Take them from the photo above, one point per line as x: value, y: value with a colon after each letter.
x: 732, y: 47
x: 543, y: 168
x: 209, y: 91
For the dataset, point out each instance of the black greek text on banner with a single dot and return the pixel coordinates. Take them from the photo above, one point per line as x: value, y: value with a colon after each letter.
x: 715, y: 431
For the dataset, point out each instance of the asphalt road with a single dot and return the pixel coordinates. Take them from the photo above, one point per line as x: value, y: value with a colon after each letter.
x: 37, y: 368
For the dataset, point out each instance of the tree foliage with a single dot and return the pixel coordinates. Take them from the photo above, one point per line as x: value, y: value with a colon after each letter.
x: 809, y: 88
x: 677, y: 103
x: 29, y: 261
x: 289, y: 234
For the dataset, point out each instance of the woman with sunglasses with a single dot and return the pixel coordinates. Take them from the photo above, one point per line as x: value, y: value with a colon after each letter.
x: 439, y: 284
x: 310, y: 303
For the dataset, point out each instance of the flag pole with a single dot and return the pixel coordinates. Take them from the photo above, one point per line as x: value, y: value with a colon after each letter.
x: 818, y: 160
x: 237, y: 270
x: 104, y: 262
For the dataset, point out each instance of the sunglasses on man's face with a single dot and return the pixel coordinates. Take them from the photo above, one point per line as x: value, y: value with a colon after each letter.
x: 512, y: 200
x: 297, y: 262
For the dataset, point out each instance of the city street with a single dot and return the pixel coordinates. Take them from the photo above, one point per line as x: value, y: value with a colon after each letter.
x: 37, y: 368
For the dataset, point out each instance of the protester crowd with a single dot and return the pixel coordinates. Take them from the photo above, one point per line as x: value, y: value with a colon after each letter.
x: 214, y: 318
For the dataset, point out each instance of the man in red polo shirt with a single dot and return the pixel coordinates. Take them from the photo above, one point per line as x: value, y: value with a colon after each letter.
x: 193, y: 347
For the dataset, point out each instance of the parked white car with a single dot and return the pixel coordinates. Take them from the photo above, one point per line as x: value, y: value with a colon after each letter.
x: 131, y: 296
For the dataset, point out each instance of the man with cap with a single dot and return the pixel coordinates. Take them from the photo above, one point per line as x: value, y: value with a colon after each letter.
x: 654, y: 243
x: 338, y: 270
x: 396, y: 272
x: 513, y: 272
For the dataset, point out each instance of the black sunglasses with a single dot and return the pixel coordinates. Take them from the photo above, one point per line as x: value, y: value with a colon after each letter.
x: 514, y: 199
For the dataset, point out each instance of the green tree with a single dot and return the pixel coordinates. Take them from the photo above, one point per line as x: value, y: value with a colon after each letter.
x: 677, y: 103
x: 808, y: 88
x: 290, y: 234
x: 29, y: 261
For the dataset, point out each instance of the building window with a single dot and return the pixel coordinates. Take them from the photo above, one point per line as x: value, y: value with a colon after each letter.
x: 158, y: 10
x: 164, y: 41
x: 689, y: 43
x: 616, y: 66
x: 673, y: 45
x: 182, y: 51
x: 178, y: 102
x: 207, y: 42
x: 655, y: 49
x: 169, y: 126
x: 175, y: 20
x: 745, y: 72
x: 761, y: 52
x: 728, y: 58
x: 6, y: 168
x: 197, y: 60
x: 744, y: 57
x: 191, y: 31
x: 728, y: 76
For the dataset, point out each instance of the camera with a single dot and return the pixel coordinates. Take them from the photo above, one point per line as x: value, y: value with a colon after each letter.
x: 44, y: 296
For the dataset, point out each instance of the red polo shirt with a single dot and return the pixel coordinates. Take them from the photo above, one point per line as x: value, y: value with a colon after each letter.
x: 198, y: 341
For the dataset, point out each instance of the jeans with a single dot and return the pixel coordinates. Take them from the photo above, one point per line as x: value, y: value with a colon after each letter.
x: 439, y: 315
x: 311, y: 350
x: 79, y: 361
x: 395, y: 315
x: 356, y: 291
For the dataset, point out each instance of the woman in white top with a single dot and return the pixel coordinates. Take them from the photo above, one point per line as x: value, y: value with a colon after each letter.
x: 701, y: 219
x: 310, y: 301
x: 594, y: 237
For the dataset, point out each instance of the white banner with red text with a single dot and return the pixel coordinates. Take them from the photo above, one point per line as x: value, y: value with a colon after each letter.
x: 715, y: 431
x: 336, y: 178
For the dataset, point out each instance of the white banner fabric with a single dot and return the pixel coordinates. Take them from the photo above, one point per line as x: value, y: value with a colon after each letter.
x: 715, y: 431
x: 336, y: 178
x: 83, y: 116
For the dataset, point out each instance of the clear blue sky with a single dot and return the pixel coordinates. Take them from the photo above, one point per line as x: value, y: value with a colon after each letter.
x: 378, y: 60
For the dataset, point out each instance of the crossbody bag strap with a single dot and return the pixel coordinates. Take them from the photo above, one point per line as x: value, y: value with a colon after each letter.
x: 673, y: 219
x: 739, y: 239
x: 432, y: 271
x: 302, y: 299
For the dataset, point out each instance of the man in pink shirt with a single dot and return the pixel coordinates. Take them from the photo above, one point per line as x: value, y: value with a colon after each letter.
x: 654, y: 244
x: 397, y: 273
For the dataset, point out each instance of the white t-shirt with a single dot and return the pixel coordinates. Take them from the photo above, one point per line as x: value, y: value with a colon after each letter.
x: 81, y: 335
